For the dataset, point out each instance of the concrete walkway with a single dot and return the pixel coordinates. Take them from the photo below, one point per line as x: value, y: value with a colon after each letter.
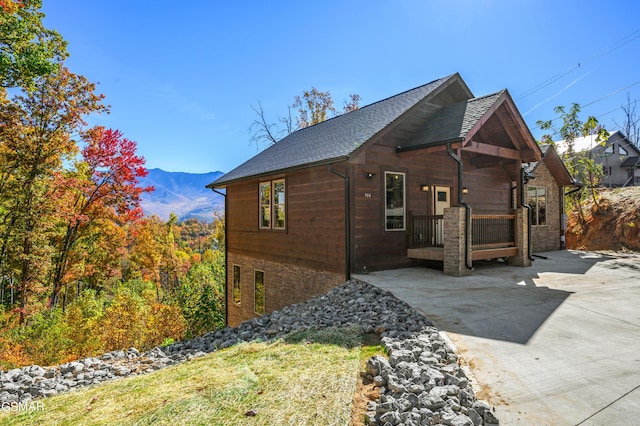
x: 554, y: 344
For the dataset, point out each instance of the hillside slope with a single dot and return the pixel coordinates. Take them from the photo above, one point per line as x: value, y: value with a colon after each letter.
x: 184, y: 194
x: 613, y: 224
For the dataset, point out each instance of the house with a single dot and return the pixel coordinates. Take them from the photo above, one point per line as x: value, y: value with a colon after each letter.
x: 618, y: 157
x: 430, y: 174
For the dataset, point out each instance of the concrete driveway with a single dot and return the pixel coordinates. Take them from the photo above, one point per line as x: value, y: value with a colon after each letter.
x: 554, y: 344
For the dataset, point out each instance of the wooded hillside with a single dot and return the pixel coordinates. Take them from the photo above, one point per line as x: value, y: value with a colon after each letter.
x: 81, y: 271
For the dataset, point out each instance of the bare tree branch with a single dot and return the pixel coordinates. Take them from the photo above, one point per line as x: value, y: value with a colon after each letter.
x: 631, y: 124
x: 313, y: 107
x: 262, y: 131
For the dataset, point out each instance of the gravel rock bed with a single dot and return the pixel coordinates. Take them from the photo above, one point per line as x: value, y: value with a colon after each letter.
x: 421, y: 383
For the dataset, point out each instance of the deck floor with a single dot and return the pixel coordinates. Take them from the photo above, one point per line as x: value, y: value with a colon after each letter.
x: 437, y: 253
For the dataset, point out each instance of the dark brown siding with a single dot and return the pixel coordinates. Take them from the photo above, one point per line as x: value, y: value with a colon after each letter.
x: 314, y: 234
x: 375, y: 248
x: 304, y: 260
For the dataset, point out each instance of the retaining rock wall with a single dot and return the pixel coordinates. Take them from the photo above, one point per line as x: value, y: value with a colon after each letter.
x: 421, y: 383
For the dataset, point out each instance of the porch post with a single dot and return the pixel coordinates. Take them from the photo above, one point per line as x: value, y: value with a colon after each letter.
x: 454, y: 245
x: 522, y: 238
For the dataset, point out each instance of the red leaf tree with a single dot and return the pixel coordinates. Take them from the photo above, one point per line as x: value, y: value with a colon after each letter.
x: 103, y: 187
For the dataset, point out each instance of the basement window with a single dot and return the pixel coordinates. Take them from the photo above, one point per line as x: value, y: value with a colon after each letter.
x: 236, y: 284
x: 537, y: 199
x: 394, y: 201
x: 259, y: 292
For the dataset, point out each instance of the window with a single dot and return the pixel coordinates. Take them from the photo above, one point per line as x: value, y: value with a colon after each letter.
x: 236, y: 284
x: 278, y: 204
x: 537, y: 199
x: 272, y: 204
x: 606, y: 170
x: 258, y: 281
x: 265, y: 205
x: 609, y: 149
x: 394, y: 201
x: 622, y: 151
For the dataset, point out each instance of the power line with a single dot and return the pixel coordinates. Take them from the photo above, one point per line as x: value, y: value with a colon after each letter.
x: 623, y: 41
x: 615, y: 92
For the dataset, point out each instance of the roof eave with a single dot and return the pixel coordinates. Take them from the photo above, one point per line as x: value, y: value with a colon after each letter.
x: 400, y: 148
x: 221, y: 183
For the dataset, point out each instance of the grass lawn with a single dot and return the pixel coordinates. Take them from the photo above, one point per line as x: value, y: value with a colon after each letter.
x: 308, y: 379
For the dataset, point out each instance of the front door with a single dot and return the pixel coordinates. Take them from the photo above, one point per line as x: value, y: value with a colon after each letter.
x: 441, y: 201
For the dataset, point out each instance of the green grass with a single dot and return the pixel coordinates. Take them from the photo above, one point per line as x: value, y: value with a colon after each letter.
x: 308, y: 379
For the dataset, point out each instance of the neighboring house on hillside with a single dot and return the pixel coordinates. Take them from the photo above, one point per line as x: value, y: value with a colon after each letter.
x: 618, y: 157
x: 432, y: 173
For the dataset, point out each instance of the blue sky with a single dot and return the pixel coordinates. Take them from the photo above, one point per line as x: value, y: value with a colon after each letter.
x: 181, y: 77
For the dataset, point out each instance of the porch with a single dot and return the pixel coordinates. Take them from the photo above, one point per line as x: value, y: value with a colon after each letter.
x: 490, y: 236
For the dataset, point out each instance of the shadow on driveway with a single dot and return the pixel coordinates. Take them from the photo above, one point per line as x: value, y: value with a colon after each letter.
x: 557, y: 343
x: 497, y: 301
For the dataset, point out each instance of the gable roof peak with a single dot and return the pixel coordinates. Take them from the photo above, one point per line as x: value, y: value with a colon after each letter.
x: 338, y: 137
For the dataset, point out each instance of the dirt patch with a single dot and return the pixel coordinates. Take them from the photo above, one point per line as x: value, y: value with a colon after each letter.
x: 611, y: 223
x: 365, y: 392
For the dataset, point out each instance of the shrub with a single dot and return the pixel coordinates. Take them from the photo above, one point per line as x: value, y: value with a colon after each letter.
x: 83, y: 318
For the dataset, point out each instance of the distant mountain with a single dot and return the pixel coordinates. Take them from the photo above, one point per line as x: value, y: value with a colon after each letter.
x: 184, y: 194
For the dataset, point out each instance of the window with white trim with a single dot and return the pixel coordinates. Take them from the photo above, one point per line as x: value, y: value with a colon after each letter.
x: 272, y: 204
x: 258, y: 281
x: 537, y: 200
x: 394, y: 201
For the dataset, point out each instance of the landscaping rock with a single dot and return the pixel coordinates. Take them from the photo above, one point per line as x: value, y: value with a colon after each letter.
x: 420, y: 384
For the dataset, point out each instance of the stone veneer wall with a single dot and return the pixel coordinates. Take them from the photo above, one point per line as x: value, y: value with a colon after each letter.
x: 454, y: 247
x: 285, y: 284
x: 547, y: 237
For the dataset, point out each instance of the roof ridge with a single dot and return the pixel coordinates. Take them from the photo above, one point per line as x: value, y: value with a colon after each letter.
x: 499, y: 92
x: 378, y: 102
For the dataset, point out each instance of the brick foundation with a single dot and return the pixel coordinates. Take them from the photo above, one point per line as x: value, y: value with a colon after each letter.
x: 284, y: 284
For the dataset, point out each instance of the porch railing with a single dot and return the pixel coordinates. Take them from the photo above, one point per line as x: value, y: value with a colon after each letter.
x: 426, y: 231
x: 487, y: 231
x: 492, y: 230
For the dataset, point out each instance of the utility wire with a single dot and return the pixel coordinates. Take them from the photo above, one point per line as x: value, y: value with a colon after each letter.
x: 623, y: 41
x: 615, y: 92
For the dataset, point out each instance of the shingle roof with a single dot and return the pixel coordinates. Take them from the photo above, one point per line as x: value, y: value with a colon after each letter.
x: 332, y: 139
x: 554, y: 164
x: 532, y: 166
x: 453, y: 122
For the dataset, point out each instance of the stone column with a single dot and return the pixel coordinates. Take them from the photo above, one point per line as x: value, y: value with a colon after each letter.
x: 522, y: 238
x: 454, y: 247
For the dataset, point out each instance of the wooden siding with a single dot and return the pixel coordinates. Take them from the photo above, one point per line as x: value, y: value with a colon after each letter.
x: 377, y: 249
x: 374, y: 247
x: 314, y: 234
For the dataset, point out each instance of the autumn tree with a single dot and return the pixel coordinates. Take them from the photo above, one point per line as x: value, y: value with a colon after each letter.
x: 313, y: 107
x: 36, y: 129
x: 28, y: 50
x: 580, y: 164
x: 104, y: 185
